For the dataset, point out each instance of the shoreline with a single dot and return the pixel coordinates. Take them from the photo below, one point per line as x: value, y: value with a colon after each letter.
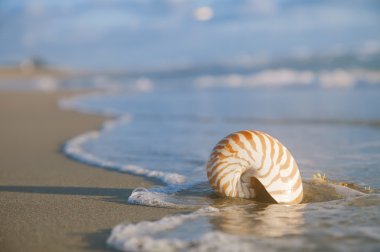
x: 49, y: 202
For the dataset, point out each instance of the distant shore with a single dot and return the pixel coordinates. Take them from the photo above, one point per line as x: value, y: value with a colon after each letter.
x: 47, y: 201
x: 20, y: 73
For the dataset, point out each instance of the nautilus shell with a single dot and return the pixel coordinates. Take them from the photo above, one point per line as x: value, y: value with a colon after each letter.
x: 254, y: 165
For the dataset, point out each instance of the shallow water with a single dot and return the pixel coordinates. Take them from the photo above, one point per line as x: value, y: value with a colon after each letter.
x: 167, y: 134
x: 338, y: 226
x: 333, y: 132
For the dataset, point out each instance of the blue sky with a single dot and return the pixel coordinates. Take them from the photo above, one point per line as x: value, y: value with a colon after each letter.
x: 145, y: 34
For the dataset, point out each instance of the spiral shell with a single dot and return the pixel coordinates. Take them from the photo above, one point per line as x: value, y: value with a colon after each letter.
x: 254, y: 165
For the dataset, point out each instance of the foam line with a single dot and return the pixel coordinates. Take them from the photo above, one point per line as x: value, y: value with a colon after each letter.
x: 74, y: 149
x: 140, y: 236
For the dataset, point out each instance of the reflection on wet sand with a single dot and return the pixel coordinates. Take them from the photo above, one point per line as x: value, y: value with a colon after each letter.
x: 246, y: 217
x: 236, y: 216
x: 262, y: 220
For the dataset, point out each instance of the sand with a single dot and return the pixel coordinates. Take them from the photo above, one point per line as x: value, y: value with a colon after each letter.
x: 47, y: 201
x: 12, y: 73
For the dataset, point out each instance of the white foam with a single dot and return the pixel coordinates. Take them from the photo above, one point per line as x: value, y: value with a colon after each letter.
x: 144, y: 84
x: 337, y: 78
x: 140, y: 236
x: 150, y: 235
x: 267, y: 78
x: 74, y: 148
x: 166, y: 197
x: 142, y: 196
x: 46, y: 84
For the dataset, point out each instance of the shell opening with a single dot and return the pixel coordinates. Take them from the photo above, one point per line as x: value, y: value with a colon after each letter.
x: 261, y: 194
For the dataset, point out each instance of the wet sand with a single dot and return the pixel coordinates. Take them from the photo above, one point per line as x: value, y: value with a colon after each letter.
x: 47, y: 201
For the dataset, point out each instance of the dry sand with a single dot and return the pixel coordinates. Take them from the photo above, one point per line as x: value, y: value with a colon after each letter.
x: 12, y: 73
x: 48, y: 202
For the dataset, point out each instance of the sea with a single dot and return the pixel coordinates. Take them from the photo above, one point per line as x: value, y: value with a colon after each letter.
x: 164, y: 127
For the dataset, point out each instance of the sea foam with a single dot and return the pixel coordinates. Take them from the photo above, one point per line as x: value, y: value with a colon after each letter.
x: 141, y: 236
x: 74, y: 147
x: 336, y: 78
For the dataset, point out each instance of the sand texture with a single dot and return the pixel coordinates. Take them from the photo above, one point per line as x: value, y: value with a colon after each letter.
x: 47, y: 201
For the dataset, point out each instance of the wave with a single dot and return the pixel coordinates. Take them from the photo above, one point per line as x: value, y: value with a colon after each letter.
x: 254, y: 226
x: 139, y: 237
x: 74, y: 149
x: 285, y: 77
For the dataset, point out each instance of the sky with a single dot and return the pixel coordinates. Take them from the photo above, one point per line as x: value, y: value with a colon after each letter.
x: 156, y: 34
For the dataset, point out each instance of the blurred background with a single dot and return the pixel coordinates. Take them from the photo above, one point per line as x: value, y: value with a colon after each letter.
x: 199, y: 37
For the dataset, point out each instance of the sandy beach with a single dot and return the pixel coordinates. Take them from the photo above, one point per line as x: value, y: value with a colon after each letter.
x: 47, y: 201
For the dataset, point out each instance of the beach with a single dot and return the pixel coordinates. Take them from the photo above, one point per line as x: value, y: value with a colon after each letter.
x: 175, y: 126
x: 47, y: 201
x: 68, y: 176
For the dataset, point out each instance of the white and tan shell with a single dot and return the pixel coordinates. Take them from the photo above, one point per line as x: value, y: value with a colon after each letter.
x: 254, y: 165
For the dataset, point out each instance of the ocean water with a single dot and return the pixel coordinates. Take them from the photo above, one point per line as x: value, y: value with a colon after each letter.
x: 165, y: 128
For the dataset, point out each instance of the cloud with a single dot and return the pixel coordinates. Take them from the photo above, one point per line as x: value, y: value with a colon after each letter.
x: 264, y: 7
